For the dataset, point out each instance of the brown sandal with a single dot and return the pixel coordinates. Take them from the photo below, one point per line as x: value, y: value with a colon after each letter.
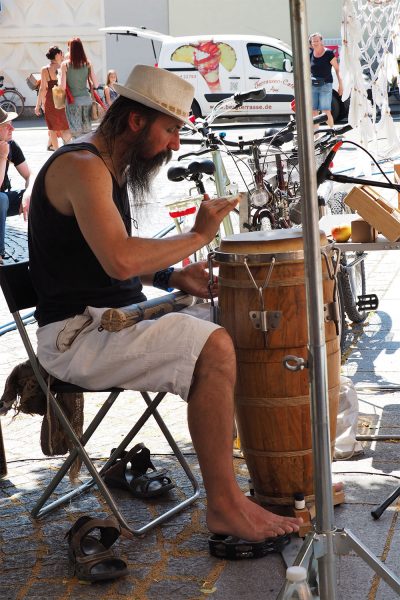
x: 92, y: 557
x: 142, y: 479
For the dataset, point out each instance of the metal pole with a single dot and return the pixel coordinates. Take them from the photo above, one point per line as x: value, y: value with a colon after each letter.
x: 317, y: 352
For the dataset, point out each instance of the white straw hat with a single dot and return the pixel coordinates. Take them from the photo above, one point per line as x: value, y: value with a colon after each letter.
x: 6, y: 117
x: 159, y: 89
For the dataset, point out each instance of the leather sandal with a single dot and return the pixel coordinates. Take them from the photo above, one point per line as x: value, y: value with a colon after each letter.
x: 136, y: 478
x: 92, y: 557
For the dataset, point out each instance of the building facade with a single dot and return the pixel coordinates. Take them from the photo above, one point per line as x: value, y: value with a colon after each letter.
x: 29, y: 27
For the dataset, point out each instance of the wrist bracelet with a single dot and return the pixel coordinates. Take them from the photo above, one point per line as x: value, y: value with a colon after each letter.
x: 161, y: 279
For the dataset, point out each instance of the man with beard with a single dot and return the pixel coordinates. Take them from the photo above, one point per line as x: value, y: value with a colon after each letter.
x: 84, y: 260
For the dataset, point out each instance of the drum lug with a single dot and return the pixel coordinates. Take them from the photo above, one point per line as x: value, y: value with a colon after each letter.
x: 331, y: 311
x: 294, y: 363
x: 264, y: 320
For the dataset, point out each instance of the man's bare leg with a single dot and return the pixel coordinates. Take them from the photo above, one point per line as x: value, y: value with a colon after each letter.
x: 210, y: 417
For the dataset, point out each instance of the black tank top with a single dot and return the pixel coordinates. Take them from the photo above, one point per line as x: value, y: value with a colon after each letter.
x: 66, y: 274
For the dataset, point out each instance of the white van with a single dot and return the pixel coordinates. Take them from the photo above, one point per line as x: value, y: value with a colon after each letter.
x: 221, y: 65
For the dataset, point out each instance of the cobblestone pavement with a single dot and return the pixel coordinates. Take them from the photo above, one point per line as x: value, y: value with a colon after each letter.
x: 173, y: 561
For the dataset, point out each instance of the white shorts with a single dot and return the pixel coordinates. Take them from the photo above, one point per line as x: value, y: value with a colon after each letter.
x: 155, y: 356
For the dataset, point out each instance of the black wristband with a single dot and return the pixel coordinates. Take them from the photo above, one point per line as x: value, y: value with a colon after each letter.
x: 161, y: 279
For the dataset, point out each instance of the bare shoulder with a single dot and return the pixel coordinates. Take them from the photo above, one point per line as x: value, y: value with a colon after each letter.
x: 76, y: 177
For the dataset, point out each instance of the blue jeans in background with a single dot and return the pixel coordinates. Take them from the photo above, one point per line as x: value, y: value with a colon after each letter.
x: 322, y: 97
x: 10, y: 203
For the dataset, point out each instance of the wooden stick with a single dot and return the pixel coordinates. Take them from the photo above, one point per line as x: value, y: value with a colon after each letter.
x: 115, y: 319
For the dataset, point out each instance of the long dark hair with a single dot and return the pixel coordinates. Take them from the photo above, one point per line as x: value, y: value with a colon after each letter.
x: 137, y: 169
x: 77, y: 56
x: 115, y: 121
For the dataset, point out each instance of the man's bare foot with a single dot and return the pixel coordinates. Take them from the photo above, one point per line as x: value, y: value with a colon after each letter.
x: 248, y: 521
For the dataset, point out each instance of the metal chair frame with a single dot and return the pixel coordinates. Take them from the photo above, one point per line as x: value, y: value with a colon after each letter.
x: 19, y: 293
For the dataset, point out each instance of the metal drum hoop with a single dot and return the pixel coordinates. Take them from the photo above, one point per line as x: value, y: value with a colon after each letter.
x: 235, y: 258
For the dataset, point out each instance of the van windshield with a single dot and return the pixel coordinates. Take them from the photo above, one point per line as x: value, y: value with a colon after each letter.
x: 267, y: 57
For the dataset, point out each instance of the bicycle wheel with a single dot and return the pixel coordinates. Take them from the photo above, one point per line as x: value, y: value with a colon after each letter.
x: 8, y: 106
x: 16, y: 98
x: 353, y: 284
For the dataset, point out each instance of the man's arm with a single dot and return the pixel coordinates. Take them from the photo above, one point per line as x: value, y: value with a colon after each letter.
x: 335, y: 65
x: 4, y: 150
x: 42, y: 92
x: 25, y: 172
x: 193, y: 279
x: 79, y: 184
x: 63, y: 77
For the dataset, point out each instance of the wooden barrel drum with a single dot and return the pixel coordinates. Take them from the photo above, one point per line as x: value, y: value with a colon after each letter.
x: 272, y: 404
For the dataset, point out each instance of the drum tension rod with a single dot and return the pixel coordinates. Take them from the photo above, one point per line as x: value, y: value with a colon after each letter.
x: 263, y: 320
x: 214, y: 316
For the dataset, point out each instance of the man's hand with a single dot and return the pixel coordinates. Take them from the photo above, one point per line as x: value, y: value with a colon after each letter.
x: 4, y: 149
x: 211, y: 214
x: 24, y: 208
x: 193, y: 279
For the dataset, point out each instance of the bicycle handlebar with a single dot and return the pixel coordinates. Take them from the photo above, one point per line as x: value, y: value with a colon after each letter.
x: 256, y: 94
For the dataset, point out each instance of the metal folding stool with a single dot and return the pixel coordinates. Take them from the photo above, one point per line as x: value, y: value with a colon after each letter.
x: 19, y: 293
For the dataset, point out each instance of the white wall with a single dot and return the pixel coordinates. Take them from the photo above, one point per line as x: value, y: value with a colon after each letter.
x: 28, y: 29
x: 265, y: 17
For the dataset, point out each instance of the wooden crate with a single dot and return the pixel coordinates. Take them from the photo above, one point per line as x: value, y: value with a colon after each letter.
x: 396, y: 169
x: 375, y: 210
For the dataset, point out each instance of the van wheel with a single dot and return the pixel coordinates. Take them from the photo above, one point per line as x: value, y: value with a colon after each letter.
x: 335, y: 108
x: 196, y: 112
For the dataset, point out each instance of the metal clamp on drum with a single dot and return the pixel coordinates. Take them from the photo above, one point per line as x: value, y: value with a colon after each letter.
x: 265, y: 320
x: 294, y: 363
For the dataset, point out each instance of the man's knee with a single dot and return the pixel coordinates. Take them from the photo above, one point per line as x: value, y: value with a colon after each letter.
x: 219, y: 349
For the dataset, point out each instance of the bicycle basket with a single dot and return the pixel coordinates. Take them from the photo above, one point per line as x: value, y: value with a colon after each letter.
x: 33, y: 81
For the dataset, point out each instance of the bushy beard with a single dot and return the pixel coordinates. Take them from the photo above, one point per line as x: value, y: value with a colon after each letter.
x: 140, y: 173
x: 141, y: 170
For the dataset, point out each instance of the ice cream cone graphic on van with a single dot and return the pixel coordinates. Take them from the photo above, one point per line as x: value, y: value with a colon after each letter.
x: 206, y: 58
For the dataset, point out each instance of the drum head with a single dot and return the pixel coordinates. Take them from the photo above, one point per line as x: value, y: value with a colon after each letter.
x: 267, y: 242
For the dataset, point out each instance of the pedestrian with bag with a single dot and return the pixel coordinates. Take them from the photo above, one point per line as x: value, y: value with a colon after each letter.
x: 322, y: 60
x: 77, y: 78
x: 55, y: 118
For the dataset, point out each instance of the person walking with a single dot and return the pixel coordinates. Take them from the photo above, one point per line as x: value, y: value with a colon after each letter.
x: 55, y: 118
x: 109, y: 92
x: 77, y: 72
x: 83, y: 258
x: 12, y: 202
x: 322, y: 60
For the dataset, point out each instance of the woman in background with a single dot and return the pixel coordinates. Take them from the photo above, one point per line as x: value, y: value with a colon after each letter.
x: 56, y: 119
x: 77, y: 72
x: 109, y: 93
